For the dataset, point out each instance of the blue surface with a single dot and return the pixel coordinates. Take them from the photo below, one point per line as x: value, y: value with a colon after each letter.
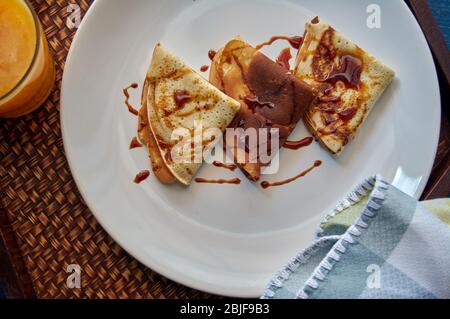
x: 441, y: 11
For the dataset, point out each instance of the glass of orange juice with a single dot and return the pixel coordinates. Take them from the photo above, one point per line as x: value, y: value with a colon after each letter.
x: 27, y: 71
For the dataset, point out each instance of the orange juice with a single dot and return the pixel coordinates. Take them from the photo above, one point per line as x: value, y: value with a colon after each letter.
x: 26, y: 68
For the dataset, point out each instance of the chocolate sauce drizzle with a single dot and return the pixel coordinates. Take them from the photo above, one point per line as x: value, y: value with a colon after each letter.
x: 235, y: 181
x: 211, y: 54
x: 284, y: 58
x: 295, y: 41
x: 266, y: 184
x: 349, y: 71
x: 231, y: 167
x: 181, y: 98
x: 296, y: 145
x: 141, y: 176
x: 135, y: 143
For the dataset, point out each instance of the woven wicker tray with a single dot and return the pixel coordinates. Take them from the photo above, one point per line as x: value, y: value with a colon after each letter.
x: 42, y: 209
x: 45, y: 224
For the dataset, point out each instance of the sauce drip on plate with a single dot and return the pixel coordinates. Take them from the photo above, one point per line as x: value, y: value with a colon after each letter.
x: 141, y: 176
x: 284, y: 58
x: 296, y: 145
x: 295, y: 41
x: 135, y: 143
x: 131, y: 109
x: 235, y: 181
x: 230, y: 167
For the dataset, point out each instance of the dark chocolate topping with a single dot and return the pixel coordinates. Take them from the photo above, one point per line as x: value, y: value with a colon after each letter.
x: 273, y: 85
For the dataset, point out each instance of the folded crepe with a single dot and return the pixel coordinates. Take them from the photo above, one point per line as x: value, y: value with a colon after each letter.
x: 348, y: 81
x: 176, y: 98
x: 270, y: 96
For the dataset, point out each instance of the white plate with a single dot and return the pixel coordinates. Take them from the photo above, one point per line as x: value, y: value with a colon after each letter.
x: 229, y: 240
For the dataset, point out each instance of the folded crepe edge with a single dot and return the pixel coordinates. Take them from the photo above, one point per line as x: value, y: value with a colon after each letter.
x: 178, y: 170
x: 313, y: 32
x: 147, y: 138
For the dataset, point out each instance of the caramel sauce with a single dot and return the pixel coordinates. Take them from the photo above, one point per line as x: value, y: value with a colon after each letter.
x: 235, y: 181
x: 204, y: 68
x: 324, y: 56
x: 296, y: 145
x: 211, y: 54
x: 348, y: 71
x: 328, y: 98
x: 329, y: 118
x: 135, y: 143
x: 266, y: 184
x: 284, y: 58
x: 325, y: 89
x: 141, y: 176
x: 142, y: 125
x: 131, y: 109
x: 295, y: 41
x: 334, y: 113
x: 271, y: 97
x: 347, y: 114
x: 168, y: 157
x: 231, y: 167
x: 181, y: 98
x: 163, y: 145
x: 167, y: 148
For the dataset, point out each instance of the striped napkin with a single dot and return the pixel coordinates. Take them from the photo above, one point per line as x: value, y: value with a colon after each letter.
x: 377, y: 243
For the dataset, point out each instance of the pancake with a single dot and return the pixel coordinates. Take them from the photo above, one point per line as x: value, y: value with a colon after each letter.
x: 348, y: 81
x: 181, y: 101
x: 270, y: 96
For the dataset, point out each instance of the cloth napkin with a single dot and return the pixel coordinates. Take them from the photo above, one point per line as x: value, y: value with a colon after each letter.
x: 377, y: 243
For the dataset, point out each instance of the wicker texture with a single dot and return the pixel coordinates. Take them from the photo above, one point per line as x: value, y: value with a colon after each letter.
x: 52, y: 225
